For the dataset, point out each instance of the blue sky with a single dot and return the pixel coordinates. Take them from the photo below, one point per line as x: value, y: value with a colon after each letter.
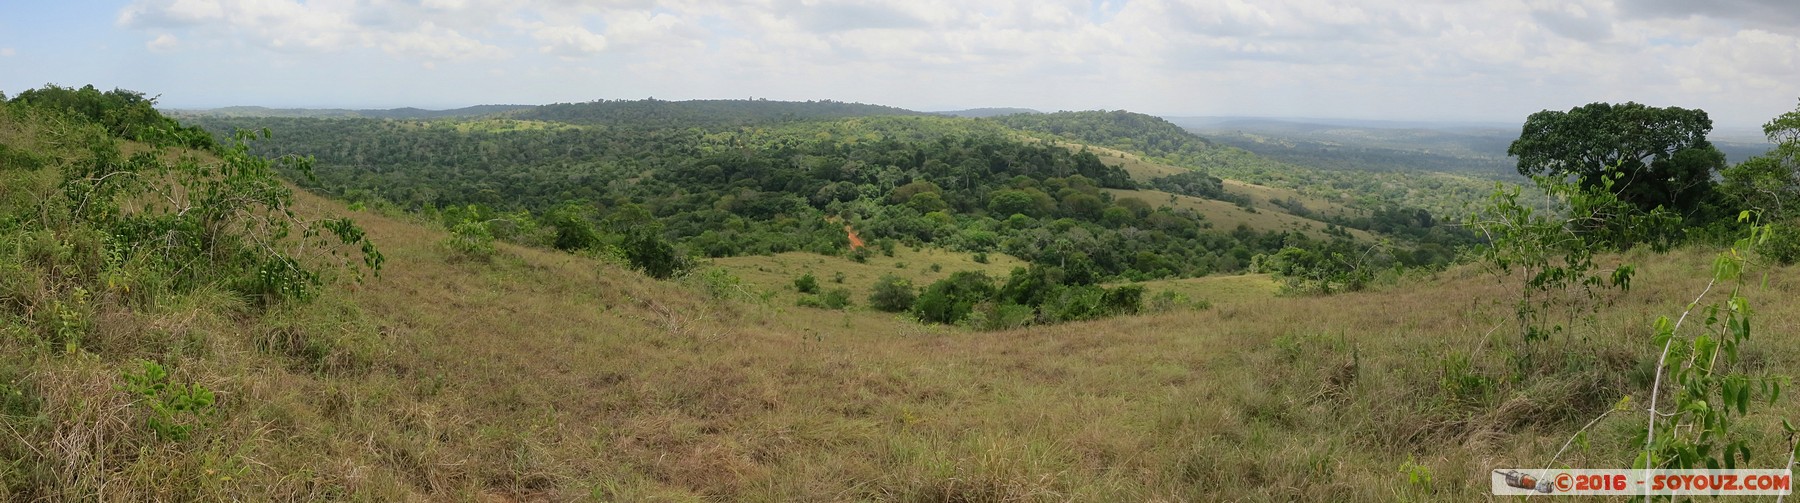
x: 1472, y: 60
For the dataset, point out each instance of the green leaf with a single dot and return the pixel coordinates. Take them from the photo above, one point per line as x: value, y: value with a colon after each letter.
x: 1743, y: 398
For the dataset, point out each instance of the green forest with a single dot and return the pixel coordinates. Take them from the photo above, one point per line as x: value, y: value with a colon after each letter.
x: 723, y: 179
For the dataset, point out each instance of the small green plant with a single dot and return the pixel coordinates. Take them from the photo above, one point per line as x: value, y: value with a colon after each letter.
x: 1555, y: 254
x: 981, y: 258
x: 806, y: 283
x: 1418, y: 476
x: 470, y: 239
x: 175, y: 409
x: 837, y: 277
x: 721, y: 284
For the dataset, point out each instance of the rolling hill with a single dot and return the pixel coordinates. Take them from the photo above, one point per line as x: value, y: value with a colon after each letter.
x: 542, y: 375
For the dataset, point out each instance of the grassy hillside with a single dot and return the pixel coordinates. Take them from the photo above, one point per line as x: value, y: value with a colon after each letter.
x: 1223, y: 214
x: 547, y: 376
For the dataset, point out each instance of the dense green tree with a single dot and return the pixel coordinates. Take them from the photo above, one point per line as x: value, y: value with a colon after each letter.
x: 1662, y: 153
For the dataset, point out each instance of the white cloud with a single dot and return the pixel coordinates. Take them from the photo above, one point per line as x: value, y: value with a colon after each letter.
x: 568, y: 41
x: 314, y: 26
x: 6, y: 52
x: 162, y: 43
x: 1403, y: 58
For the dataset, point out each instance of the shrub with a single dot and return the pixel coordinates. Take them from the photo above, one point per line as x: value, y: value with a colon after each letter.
x: 1000, y: 316
x: 836, y: 298
x: 471, y: 240
x: 951, y: 299
x: 1781, y: 243
x: 648, y: 251
x: 806, y: 283
x: 892, y: 294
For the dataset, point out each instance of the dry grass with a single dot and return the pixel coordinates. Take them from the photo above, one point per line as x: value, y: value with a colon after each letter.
x: 776, y: 273
x: 1227, y: 216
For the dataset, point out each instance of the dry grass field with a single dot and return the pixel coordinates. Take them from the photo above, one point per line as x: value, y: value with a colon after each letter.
x: 1227, y: 216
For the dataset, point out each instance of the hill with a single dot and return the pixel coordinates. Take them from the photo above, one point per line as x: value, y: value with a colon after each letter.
x: 706, y: 114
x: 960, y: 184
x: 1474, y: 149
x: 1444, y: 194
x: 392, y: 113
x: 987, y: 112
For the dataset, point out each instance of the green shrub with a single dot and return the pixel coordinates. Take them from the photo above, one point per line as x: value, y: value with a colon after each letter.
x: 1781, y: 243
x: 951, y: 299
x: 836, y: 298
x: 1000, y: 316
x: 892, y: 294
x: 649, y: 252
x: 806, y: 283
x: 175, y: 409
x: 471, y: 240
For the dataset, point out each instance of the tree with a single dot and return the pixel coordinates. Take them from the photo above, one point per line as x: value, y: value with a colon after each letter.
x: 1770, y: 185
x: 1662, y: 152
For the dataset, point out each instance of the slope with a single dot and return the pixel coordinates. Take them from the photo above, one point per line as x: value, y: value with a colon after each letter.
x: 549, y: 376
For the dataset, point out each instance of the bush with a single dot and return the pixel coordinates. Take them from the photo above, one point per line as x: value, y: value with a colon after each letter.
x: 892, y: 294
x: 950, y: 300
x: 1000, y: 316
x: 806, y: 283
x: 648, y: 251
x: 1782, y: 243
x: 836, y: 298
x: 471, y: 240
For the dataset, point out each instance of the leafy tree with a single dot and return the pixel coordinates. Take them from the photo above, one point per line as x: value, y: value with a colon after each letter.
x: 574, y: 231
x: 1662, y: 153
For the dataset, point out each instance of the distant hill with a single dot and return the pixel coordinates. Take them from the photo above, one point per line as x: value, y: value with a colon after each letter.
x: 391, y: 113
x: 654, y: 113
x: 987, y: 112
x: 1463, y: 147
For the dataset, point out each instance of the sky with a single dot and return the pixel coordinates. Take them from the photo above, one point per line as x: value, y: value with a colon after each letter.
x: 1459, y: 60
